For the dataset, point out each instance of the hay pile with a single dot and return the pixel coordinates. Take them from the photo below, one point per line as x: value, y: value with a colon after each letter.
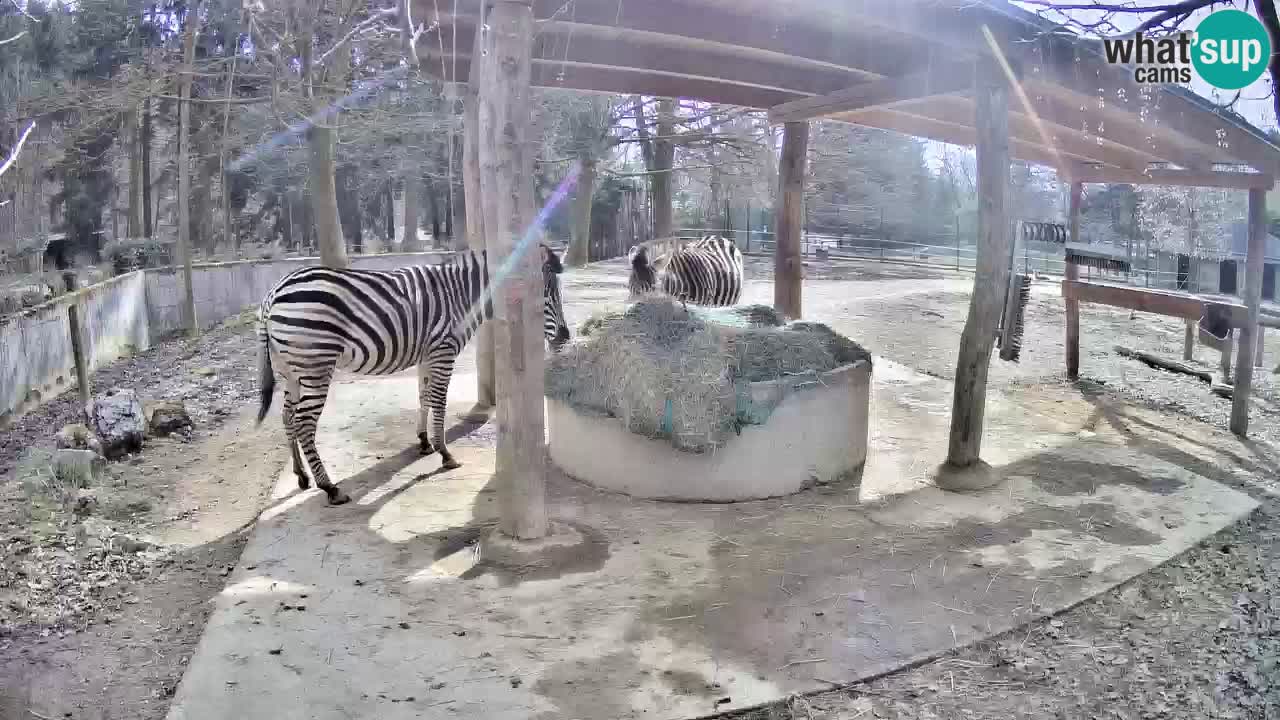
x: 685, y: 376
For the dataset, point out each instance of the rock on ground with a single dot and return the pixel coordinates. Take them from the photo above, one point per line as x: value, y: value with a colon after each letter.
x: 77, y: 436
x: 117, y: 419
x: 168, y: 416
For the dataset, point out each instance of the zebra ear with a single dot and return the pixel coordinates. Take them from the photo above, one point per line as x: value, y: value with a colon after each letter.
x: 550, y: 260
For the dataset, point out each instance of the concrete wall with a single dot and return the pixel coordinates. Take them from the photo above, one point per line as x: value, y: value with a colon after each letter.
x: 36, y: 362
x: 817, y: 434
x: 226, y: 289
x: 128, y: 313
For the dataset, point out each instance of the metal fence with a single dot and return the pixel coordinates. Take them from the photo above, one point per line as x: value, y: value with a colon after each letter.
x: 1154, y: 271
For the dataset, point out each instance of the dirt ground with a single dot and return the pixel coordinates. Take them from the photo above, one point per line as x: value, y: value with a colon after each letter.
x: 104, y: 633
x: 101, y: 634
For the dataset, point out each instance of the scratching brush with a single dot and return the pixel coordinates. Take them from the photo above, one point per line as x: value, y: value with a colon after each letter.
x: 1044, y: 232
x: 1012, y: 319
x: 1096, y: 258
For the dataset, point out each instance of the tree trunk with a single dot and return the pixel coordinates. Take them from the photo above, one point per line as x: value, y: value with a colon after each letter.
x: 664, y: 155
x: 202, y: 189
x: 350, y: 214
x: 504, y: 112
x: 184, y: 167
x: 231, y: 239
x: 324, y: 198
x: 144, y: 139
x: 431, y: 212
x: 580, y: 233
x: 133, y: 138
x: 448, y: 216
x: 412, y: 191
x: 389, y: 214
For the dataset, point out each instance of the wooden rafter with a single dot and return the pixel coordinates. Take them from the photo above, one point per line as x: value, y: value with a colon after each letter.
x: 1162, y: 176
x: 886, y: 93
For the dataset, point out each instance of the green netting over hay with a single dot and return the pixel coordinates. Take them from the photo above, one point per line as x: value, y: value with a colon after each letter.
x: 685, y: 375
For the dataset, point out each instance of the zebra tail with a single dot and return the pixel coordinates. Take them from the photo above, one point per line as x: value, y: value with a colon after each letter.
x: 266, y: 375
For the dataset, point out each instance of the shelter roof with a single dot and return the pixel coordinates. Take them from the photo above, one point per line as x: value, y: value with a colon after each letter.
x: 907, y: 64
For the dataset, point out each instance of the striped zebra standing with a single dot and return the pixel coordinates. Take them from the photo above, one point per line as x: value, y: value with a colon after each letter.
x: 370, y: 322
x: 706, y: 272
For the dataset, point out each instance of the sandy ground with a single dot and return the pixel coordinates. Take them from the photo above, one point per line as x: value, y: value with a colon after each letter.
x: 1196, y: 639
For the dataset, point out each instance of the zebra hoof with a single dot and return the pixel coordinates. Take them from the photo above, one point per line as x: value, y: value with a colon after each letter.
x: 448, y: 463
x: 337, y: 497
x: 424, y: 444
x: 304, y: 482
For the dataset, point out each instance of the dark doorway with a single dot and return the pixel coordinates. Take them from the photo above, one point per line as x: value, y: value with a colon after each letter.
x: 1184, y: 271
x: 1227, y: 277
x: 1269, y: 282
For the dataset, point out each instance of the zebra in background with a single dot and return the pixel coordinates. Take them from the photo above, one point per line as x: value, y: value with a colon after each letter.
x: 371, y: 322
x: 707, y: 271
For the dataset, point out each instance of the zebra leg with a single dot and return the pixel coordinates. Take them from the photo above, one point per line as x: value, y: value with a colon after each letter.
x: 306, y: 419
x: 424, y: 407
x: 437, y: 393
x: 290, y: 394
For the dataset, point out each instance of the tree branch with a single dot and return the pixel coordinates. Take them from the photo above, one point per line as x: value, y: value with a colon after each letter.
x: 17, y: 148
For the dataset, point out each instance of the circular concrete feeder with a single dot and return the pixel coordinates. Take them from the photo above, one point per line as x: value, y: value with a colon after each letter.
x: 816, y: 434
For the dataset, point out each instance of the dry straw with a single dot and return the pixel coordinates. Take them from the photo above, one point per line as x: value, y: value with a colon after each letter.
x: 684, y: 375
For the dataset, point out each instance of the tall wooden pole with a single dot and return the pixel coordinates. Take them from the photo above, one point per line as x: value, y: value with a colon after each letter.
x: 788, y: 269
x: 1252, y: 300
x: 504, y: 106
x: 991, y: 104
x: 1073, y: 273
x: 184, y: 168
x: 475, y: 207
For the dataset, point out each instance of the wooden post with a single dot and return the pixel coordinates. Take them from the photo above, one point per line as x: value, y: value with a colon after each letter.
x: 504, y: 102
x: 77, y: 341
x: 485, y: 395
x: 1257, y: 356
x: 1072, y: 272
x: 991, y: 104
x: 1189, y: 341
x: 788, y: 269
x: 1252, y: 299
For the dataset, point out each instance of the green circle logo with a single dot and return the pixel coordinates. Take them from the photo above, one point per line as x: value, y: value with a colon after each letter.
x: 1231, y: 49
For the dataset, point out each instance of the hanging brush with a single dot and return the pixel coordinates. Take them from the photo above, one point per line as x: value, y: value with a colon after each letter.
x: 1012, y: 317
x: 1096, y: 258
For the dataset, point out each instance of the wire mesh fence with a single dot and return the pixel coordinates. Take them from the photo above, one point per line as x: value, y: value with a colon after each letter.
x: 1156, y: 270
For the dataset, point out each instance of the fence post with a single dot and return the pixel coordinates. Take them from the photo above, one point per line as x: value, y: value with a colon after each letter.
x: 77, y: 341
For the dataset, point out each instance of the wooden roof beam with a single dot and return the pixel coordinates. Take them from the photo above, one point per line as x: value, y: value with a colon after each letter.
x: 1090, y: 79
x: 956, y: 79
x: 623, y: 81
x: 1128, y: 130
x: 1023, y: 127
x: 956, y: 134
x: 637, y: 52
x: 1078, y: 172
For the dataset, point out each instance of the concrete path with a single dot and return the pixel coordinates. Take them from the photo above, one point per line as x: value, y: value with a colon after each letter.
x: 384, y: 609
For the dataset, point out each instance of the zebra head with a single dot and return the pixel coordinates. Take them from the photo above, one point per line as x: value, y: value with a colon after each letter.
x: 644, y: 276
x: 554, y: 326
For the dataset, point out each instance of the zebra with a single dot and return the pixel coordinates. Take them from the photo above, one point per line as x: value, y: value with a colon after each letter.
x: 707, y: 271
x: 374, y: 322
